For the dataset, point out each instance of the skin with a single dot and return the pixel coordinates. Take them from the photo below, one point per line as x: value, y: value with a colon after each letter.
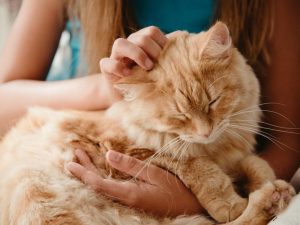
x: 27, y: 77
x: 282, y: 85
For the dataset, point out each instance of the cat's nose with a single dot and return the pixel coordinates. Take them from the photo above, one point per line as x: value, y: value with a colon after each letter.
x: 206, y: 135
x: 205, y: 132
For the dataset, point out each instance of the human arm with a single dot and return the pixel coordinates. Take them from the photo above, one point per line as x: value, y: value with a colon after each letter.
x: 282, y: 85
x: 26, y: 59
x: 33, y: 40
x: 87, y: 93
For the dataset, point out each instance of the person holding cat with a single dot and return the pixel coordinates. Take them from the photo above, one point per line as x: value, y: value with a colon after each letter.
x: 27, y: 57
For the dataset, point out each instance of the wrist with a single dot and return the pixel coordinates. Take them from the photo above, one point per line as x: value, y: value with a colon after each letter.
x: 94, y: 98
x: 109, y: 94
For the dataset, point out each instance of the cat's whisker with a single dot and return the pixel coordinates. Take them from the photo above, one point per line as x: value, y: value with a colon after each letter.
x: 240, y: 112
x: 179, y: 152
x: 219, y: 132
x: 185, y: 147
x: 248, y: 109
x: 166, y: 148
x: 271, y: 103
x: 261, y: 104
x: 175, y: 155
x: 272, y: 139
x: 269, y: 124
x: 177, y: 158
x: 262, y: 110
x: 157, y: 154
x: 268, y: 128
x: 240, y: 136
x: 268, y: 136
x: 256, y: 130
x: 220, y: 128
x: 220, y: 125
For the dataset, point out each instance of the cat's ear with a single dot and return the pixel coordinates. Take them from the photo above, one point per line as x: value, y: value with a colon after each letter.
x: 134, y: 86
x: 218, y: 42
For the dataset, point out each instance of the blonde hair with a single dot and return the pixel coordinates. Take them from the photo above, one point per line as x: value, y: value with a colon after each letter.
x: 249, y: 21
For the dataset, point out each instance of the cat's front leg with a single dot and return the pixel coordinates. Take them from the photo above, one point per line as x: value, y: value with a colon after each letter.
x: 212, y: 187
x: 266, y: 193
x: 257, y: 172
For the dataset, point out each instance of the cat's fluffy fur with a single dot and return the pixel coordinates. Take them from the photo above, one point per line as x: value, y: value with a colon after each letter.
x: 201, y: 94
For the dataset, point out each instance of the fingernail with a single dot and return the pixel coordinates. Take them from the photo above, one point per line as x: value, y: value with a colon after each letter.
x: 148, y: 63
x: 126, y: 72
x: 114, y: 156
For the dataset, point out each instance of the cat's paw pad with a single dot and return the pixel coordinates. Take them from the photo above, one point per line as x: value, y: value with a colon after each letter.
x: 282, y: 195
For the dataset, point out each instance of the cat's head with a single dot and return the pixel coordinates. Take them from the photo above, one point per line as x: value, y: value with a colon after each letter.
x: 198, y: 83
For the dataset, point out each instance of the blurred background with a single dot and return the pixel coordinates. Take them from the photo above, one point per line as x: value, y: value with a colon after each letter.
x: 8, y: 12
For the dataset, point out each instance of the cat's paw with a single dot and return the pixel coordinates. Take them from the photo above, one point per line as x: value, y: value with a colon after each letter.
x: 272, y: 198
x: 281, y: 196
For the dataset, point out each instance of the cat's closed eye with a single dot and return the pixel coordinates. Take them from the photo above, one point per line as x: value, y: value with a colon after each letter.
x: 182, y: 116
x: 214, y: 101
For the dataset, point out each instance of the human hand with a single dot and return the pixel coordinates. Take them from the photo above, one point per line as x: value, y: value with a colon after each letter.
x: 155, y: 191
x: 142, y: 48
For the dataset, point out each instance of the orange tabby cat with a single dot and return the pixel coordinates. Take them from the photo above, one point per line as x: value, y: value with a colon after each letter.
x: 191, y: 110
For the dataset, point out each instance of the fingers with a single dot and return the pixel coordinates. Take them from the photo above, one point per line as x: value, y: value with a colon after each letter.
x: 136, y: 168
x: 148, y: 45
x: 141, y: 48
x: 85, y: 160
x: 125, y: 192
x: 123, y: 48
x: 113, y: 69
x: 155, y: 34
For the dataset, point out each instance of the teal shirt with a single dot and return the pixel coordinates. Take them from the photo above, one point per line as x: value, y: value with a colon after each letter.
x: 169, y: 15
x: 69, y: 57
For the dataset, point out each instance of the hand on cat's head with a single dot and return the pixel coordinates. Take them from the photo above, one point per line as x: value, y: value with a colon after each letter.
x: 141, y: 48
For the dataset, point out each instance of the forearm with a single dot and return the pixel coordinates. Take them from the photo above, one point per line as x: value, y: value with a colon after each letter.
x: 282, y: 86
x: 79, y: 94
